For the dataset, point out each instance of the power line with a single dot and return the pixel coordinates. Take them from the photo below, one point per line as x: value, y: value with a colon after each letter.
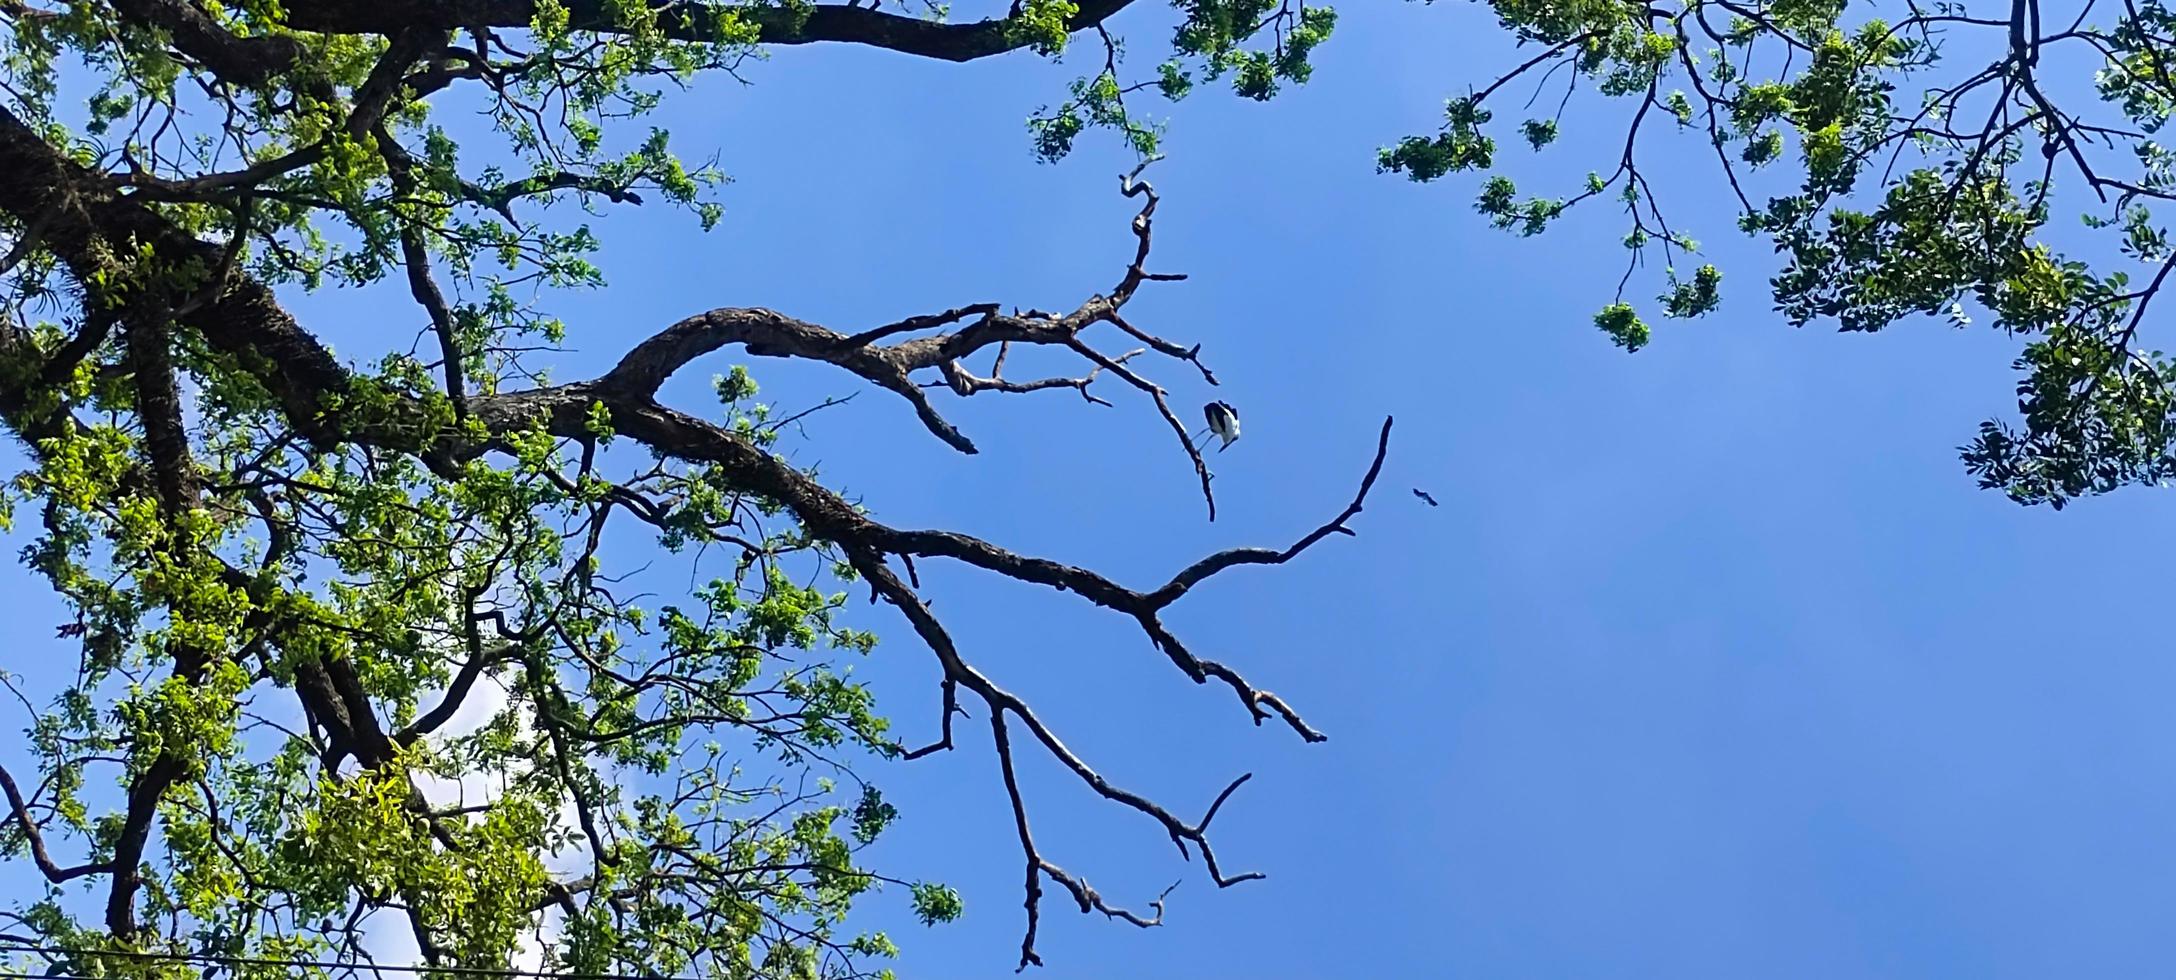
x: 213, y: 959
x: 7, y: 975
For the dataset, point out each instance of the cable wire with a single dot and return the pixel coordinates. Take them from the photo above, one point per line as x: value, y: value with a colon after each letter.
x: 213, y: 959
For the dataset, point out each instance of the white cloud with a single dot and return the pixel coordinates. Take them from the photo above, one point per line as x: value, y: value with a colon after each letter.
x: 484, y: 701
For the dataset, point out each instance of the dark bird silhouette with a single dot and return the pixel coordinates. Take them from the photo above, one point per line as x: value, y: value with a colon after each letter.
x: 1424, y: 495
x: 1223, y: 422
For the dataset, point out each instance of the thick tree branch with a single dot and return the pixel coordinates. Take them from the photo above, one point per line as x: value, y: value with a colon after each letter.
x: 816, y: 24
x: 248, y: 323
x: 771, y: 334
x: 374, y: 99
x: 173, y: 471
x: 232, y: 59
x: 20, y: 810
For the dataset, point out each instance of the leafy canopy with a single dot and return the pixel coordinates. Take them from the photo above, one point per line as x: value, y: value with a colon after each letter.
x: 357, y: 644
x: 287, y: 572
x: 1906, y: 160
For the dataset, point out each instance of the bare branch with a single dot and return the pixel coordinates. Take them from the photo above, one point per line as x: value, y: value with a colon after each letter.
x: 914, y: 323
x: 963, y: 383
x: 29, y: 829
x: 1194, y: 574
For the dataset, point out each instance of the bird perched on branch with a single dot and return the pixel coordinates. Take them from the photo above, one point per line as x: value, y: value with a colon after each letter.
x: 1223, y: 423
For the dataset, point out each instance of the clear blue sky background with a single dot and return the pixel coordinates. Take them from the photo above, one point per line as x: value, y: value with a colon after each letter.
x: 1713, y: 663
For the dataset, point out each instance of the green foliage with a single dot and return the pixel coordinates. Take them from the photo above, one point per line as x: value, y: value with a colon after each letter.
x: 1259, y: 45
x: 1697, y: 297
x: 936, y: 903
x: 334, y: 572
x: 1538, y: 132
x: 1889, y: 189
x: 1045, y: 24
x: 1499, y: 200
x: 1461, y: 146
x: 1623, y: 325
x: 404, y: 558
x: 1097, y: 102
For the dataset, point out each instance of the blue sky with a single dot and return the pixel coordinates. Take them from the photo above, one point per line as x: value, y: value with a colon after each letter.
x: 1713, y: 663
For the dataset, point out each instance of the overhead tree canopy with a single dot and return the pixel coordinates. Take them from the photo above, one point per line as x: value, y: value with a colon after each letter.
x: 289, y: 570
x: 1906, y: 160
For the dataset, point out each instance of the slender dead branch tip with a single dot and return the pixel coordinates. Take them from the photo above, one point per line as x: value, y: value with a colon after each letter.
x: 1090, y: 900
x: 914, y: 323
x: 1163, y: 405
x: 958, y: 673
x: 1218, y: 804
x: 1002, y: 740
x: 951, y: 695
x: 966, y: 384
x: 1199, y: 571
x: 1158, y: 903
x: 1130, y: 184
x: 1191, y: 355
x: 1143, y: 222
x: 931, y: 420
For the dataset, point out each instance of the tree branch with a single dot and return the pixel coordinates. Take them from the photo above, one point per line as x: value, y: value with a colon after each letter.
x: 231, y: 58
x: 29, y: 829
x: 821, y: 23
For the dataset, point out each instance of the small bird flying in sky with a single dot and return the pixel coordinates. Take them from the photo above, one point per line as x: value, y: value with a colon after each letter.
x: 1424, y: 495
x: 1223, y: 423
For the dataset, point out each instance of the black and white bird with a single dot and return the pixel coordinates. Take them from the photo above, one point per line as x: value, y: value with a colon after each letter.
x: 1223, y: 423
x: 1425, y: 495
